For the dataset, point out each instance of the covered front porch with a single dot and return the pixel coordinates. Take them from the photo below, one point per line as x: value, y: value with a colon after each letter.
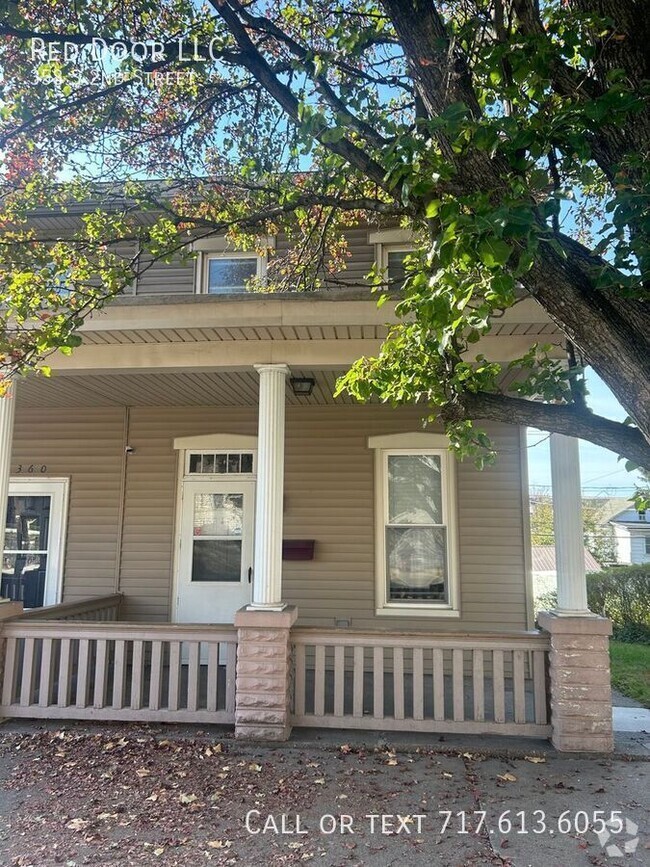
x: 362, y: 630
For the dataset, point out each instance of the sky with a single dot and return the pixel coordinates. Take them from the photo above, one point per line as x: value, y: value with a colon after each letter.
x: 602, y: 474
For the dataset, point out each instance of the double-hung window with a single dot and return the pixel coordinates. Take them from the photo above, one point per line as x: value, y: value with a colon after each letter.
x: 391, y: 248
x: 416, y: 561
x: 224, y: 271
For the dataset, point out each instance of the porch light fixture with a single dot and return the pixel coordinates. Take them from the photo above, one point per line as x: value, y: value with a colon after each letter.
x: 302, y: 386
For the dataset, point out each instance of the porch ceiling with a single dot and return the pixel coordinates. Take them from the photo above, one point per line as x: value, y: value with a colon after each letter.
x: 154, y: 388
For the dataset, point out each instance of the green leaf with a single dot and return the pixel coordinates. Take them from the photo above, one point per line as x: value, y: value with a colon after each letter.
x: 494, y: 252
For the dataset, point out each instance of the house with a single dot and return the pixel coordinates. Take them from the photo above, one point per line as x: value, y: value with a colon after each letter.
x: 545, y: 567
x: 632, y: 535
x: 202, y: 533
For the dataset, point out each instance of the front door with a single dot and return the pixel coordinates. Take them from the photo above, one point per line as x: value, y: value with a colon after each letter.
x: 216, y: 550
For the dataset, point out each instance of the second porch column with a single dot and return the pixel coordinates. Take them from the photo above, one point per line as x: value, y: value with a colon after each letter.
x: 581, y: 696
x: 7, y: 412
x: 568, y: 526
x: 267, y: 571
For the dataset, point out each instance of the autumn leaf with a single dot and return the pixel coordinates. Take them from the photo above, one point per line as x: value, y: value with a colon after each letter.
x: 219, y: 844
x: 187, y: 799
x: 77, y: 824
x: 507, y: 777
x: 536, y: 760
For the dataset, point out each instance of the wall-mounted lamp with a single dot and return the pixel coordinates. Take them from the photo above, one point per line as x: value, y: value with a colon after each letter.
x: 302, y: 386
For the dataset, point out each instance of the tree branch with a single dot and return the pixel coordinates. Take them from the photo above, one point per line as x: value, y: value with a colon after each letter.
x: 568, y: 420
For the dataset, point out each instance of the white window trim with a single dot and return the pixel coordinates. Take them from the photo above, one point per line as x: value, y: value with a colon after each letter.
x: 58, y: 489
x: 219, y: 247
x: 415, y: 443
x: 389, y: 241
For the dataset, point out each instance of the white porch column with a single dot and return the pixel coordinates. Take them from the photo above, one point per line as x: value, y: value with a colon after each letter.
x: 568, y: 527
x: 267, y: 571
x: 7, y: 412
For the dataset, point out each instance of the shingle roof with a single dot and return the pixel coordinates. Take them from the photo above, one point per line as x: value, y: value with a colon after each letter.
x: 544, y: 559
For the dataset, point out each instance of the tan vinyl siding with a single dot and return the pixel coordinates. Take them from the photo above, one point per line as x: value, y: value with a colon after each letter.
x: 162, y: 279
x: 179, y: 278
x: 85, y: 445
x: 329, y: 497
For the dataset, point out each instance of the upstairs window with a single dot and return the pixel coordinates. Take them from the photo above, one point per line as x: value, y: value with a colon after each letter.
x: 220, y: 270
x: 391, y: 247
x: 228, y: 273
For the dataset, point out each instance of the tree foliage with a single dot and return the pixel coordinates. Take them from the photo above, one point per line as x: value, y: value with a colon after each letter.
x: 510, y: 137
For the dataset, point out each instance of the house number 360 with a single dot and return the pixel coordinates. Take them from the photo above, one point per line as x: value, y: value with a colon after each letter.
x: 32, y: 468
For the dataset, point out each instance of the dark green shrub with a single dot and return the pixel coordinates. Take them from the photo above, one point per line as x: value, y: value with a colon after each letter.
x: 633, y: 633
x: 621, y: 593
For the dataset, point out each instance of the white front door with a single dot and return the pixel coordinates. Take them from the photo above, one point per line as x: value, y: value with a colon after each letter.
x: 216, y: 550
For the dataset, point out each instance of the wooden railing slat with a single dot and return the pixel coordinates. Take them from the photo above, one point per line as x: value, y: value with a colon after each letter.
x: 63, y: 697
x: 27, y: 679
x: 418, y: 683
x: 339, y: 679
x: 357, y: 682
x: 213, y: 676
x: 101, y: 674
x: 45, y: 680
x: 378, y: 682
x: 498, y: 686
x: 539, y: 686
x: 155, y: 682
x: 299, y: 688
x: 119, y: 674
x: 231, y: 670
x: 174, y: 674
x: 81, y: 699
x: 478, y: 686
x: 518, y: 685
x: 438, y: 684
x: 458, y: 689
x: 193, y: 676
x: 9, y: 679
x: 398, y: 682
x: 319, y: 681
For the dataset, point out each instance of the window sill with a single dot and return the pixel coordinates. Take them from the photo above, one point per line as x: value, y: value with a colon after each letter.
x: 396, y: 610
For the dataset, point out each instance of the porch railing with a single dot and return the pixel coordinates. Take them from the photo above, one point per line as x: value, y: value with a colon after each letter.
x: 102, y: 608
x: 118, y: 671
x: 396, y: 682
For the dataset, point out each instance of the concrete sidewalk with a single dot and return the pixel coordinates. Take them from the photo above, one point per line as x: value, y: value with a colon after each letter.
x: 161, y: 795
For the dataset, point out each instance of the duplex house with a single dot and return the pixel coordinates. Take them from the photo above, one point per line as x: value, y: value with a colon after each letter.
x: 197, y: 530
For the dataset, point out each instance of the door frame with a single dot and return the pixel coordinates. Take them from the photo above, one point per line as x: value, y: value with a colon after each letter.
x: 58, y: 487
x: 203, y: 443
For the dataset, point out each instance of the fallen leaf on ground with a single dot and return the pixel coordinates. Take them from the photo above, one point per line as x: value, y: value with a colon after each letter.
x: 186, y: 799
x: 507, y: 777
x: 77, y: 824
x: 536, y: 760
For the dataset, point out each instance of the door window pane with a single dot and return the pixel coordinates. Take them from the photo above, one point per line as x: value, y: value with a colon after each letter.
x: 216, y: 560
x: 414, y: 489
x: 218, y: 514
x: 24, y: 560
x: 416, y: 564
x: 230, y: 275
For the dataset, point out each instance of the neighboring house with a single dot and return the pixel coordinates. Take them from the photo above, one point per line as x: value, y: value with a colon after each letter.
x: 190, y: 457
x: 632, y: 534
x: 545, y: 569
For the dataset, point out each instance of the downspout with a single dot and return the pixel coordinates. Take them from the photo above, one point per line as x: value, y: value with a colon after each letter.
x: 120, y: 516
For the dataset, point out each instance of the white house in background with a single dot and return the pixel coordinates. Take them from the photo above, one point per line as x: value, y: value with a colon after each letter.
x: 632, y: 534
